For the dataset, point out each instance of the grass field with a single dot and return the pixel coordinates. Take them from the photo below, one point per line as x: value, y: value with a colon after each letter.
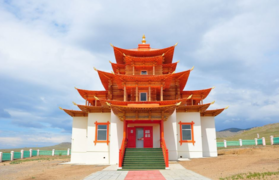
x: 61, y: 146
x: 264, y: 131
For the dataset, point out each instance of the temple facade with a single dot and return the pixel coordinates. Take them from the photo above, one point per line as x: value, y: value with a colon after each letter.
x: 143, y: 107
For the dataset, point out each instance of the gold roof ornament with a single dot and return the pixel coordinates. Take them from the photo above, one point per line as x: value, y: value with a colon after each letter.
x: 176, y: 44
x: 173, y: 72
x: 213, y: 87
x: 227, y: 107
x: 212, y: 102
x: 178, y: 103
x: 192, y: 68
x: 178, y: 61
x: 112, y: 72
x: 95, y: 69
x: 110, y: 62
x: 111, y: 45
x: 124, y: 54
x: 143, y: 39
x: 76, y: 88
x: 96, y: 97
x: 190, y: 96
x: 108, y: 103
x: 163, y: 54
x: 60, y: 108
x: 74, y: 103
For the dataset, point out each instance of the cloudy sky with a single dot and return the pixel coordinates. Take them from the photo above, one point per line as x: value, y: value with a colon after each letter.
x: 49, y: 47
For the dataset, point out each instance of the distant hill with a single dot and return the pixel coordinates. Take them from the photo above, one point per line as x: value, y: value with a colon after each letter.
x: 229, y: 132
x: 263, y: 131
x: 61, y: 146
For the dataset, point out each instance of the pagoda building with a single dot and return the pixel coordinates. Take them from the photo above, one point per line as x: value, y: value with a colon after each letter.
x: 143, y: 111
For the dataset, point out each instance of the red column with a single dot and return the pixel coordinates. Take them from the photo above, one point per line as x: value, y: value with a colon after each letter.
x: 162, y: 129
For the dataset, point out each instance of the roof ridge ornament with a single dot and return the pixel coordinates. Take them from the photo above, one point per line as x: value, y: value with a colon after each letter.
x: 189, y: 97
x: 212, y: 102
x: 108, y: 103
x: 95, y: 69
x: 176, y: 44
x: 213, y: 87
x: 143, y: 39
x: 192, y: 68
x: 96, y: 97
x: 124, y: 54
x: 177, y: 104
x: 60, y: 108
x: 163, y: 54
x: 76, y: 88
x: 74, y: 103
x: 111, y: 45
x: 112, y: 72
x: 227, y: 107
x: 178, y: 61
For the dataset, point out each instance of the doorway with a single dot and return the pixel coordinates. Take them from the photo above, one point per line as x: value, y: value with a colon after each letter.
x: 140, y: 137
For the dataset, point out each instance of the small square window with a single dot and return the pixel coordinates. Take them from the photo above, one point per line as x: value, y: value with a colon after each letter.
x: 143, y: 73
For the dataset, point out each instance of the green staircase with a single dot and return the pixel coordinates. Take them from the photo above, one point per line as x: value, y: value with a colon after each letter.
x: 143, y: 158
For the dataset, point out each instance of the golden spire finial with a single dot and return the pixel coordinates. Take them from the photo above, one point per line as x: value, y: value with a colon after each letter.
x: 60, y: 108
x: 227, y: 107
x: 143, y: 39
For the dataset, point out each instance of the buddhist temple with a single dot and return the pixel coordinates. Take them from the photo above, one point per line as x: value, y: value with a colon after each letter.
x: 144, y: 117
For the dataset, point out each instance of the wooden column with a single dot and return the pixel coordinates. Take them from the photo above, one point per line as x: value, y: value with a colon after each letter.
x: 137, y: 93
x: 149, y: 93
x: 125, y: 93
x: 162, y: 129
x: 133, y: 69
x: 95, y: 102
x: 124, y: 129
x: 161, y: 92
x: 153, y: 69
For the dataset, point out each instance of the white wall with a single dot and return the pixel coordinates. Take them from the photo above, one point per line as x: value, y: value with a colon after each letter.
x: 170, y: 135
x: 79, y: 133
x: 116, y: 136
x: 156, y: 133
x: 188, y: 150
x: 208, y: 136
x: 99, y: 153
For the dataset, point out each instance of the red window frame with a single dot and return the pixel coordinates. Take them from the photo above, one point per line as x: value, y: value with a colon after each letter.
x: 192, y: 132
x: 96, y: 132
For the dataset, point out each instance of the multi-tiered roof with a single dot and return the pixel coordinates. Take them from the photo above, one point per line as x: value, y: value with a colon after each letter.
x: 148, y: 71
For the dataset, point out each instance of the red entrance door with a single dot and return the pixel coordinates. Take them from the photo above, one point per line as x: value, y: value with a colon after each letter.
x: 148, y: 137
x: 131, y: 137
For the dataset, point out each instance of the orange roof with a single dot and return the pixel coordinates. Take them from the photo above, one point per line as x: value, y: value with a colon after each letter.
x: 94, y: 109
x: 76, y: 113
x: 87, y: 94
x: 116, y: 66
x: 134, y: 60
x: 105, y: 78
x: 120, y: 53
x: 172, y: 67
x: 192, y: 108
x: 214, y: 112
x: 197, y: 94
x: 182, y: 77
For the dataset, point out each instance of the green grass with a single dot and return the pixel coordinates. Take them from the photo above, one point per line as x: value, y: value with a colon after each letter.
x: 254, y: 175
x: 37, y: 159
x: 264, y: 131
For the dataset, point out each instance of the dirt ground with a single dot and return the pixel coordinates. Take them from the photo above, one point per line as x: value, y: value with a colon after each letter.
x: 234, y: 161
x: 228, y: 163
x: 46, y: 169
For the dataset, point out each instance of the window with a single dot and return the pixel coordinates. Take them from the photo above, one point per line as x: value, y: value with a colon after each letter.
x: 186, y: 132
x: 102, y: 132
x: 143, y: 73
x: 147, y: 133
x: 143, y: 96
